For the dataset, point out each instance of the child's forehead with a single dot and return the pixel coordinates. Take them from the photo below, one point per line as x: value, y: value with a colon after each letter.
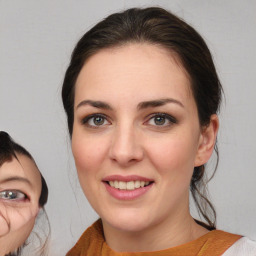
x: 21, y: 169
x: 11, y: 167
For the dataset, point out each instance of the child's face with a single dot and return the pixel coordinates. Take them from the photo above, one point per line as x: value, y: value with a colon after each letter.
x: 20, y: 189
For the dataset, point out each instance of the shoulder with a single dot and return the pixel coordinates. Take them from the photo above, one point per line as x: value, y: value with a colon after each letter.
x: 243, y: 247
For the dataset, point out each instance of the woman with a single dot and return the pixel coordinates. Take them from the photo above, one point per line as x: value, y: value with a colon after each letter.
x: 23, y: 192
x: 141, y: 96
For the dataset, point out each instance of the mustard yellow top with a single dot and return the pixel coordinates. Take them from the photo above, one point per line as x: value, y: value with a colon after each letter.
x: 214, y: 243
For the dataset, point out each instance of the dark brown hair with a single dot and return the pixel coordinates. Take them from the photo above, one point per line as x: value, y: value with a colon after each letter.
x: 9, y: 150
x: 159, y: 27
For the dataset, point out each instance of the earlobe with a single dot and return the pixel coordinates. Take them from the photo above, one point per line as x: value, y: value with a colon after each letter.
x: 207, y: 141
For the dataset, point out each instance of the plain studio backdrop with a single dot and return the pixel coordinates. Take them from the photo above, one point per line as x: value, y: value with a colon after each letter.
x: 36, y: 40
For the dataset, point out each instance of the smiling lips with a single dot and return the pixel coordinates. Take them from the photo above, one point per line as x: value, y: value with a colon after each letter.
x: 127, y: 187
x: 130, y: 185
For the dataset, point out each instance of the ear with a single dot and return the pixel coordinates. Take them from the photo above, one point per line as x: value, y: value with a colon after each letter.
x: 207, y: 141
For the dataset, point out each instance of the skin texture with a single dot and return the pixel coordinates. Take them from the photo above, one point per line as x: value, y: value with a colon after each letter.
x: 17, y: 215
x: 129, y: 142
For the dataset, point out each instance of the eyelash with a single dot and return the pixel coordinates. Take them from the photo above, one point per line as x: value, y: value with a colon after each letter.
x: 86, y: 120
x: 171, y: 120
x: 19, y: 196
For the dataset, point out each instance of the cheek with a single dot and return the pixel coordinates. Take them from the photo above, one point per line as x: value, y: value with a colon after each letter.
x: 4, y: 225
x: 16, y: 238
x: 21, y: 217
x: 89, y: 152
x: 173, y: 155
x: 27, y: 227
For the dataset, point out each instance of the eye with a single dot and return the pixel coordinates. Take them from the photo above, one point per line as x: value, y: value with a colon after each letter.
x: 161, y: 119
x: 95, y: 120
x: 12, y: 195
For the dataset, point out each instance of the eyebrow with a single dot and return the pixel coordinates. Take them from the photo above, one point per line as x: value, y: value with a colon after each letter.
x: 141, y: 105
x: 16, y: 178
x: 158, y: 103
x: 96, y: 104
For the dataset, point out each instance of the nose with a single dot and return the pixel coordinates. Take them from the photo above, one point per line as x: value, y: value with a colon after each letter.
x: 126, y: 148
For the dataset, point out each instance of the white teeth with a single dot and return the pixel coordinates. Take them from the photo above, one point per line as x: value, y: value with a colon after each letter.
x: 130, y: 185
x: 116, y: 184
x: 122, y: 185
x: 137, y: 184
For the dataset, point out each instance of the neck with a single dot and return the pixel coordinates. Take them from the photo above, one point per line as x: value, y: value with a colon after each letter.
x: 168, y: 233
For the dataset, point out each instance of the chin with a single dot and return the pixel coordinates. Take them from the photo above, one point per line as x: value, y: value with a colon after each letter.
x: 129, y: 226
x: 128, y: 221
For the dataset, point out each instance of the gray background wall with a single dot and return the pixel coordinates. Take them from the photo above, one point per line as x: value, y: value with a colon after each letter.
x: 36, y: 39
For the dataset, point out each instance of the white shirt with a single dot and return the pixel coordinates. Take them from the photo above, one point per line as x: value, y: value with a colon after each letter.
x: 243, y: 247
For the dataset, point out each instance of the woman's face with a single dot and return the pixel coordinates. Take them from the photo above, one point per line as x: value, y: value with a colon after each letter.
x: 20, y: 189
x: 136, y: 136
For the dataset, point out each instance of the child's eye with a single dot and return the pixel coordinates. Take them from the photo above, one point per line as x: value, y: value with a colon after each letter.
x: 12, y: 195
x: 95, y: 120
x: 161, y: 119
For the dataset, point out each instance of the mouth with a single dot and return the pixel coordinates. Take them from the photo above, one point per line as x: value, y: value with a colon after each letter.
x: 130, y: 185
x: 127, y: 187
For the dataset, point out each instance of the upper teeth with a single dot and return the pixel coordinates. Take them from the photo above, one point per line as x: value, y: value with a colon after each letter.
x: 130, y: 185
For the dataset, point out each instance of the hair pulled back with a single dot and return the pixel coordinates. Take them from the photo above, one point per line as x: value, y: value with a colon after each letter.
x: 156, y: 26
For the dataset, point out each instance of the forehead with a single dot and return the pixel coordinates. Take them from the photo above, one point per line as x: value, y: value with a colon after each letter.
x: 24, y: 168
x: 146, y: 66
